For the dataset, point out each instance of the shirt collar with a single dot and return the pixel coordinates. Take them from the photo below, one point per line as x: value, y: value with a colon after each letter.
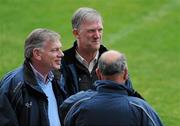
x: 82, y: 60
x: 40, y: 77
x: 85, y: 63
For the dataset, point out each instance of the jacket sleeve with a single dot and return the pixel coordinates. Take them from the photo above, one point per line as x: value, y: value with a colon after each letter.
x: 148, y: 115
x: 128, y: 83
x: 7, y: 114
x: 132, y: 92
x: 69, y: 102
x: 151, y: 118
x: 69, y: 78
x: 71, y: 115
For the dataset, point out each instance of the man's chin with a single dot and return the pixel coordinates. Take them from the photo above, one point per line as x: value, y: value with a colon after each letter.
x: 96, y: 48
x: 57, y: 67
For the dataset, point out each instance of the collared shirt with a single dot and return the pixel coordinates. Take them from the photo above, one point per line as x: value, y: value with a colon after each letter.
x: 85, y: 63
x: 46, y: 86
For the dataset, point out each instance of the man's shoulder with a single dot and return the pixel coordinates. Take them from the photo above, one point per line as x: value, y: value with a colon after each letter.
x: 69, y: 55
x: 12, y: 78
x: 146, y: 109
x: 70, y: 51
x: 78, y: 96
x: 73, y: 100
x: 139, y: 103
x: 102, y: 49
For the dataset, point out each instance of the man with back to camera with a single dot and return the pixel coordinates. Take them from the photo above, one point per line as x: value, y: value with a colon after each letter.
x: 80, y: 62
x: 111, y: 104
x: 31, y: 94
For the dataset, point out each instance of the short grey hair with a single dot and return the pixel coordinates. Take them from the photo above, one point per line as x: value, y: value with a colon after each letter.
x: 115, y: 67
x: 84, y: 14
x: 37, y: 38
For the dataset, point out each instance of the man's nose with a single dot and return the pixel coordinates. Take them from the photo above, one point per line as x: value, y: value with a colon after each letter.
x: 97, y: 34
x: 60, y: 54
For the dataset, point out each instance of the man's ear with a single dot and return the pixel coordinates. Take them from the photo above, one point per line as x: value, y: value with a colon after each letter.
x: 76, y: 33
x: 37, y: 53
x: 98, y: 73
x: 125, y: 74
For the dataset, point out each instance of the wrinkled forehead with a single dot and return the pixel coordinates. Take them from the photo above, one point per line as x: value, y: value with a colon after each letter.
x: 56, y: 43
x: 91, y: 24
x: 92, y: 17
x: 52, y: 38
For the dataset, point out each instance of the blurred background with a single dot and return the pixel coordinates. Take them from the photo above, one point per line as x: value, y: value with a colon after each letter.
x: 147, y: 31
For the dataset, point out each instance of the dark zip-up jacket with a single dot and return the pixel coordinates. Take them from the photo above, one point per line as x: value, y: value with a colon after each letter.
x: 110, y: 104
x: 22, y: 101
x: 76, y: 75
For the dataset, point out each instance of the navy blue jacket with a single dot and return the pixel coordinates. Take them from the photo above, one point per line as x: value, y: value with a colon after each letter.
x: 22, y: 101
x: 75, y: 74
x: 110, y: 105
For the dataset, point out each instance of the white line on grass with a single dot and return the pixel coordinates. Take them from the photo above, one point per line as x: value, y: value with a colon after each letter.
x: 141, y: 22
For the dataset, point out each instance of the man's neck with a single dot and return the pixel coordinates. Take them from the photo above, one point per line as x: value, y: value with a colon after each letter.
x: 117, y: 78
x: 87, y: 55
x: 41, y: 70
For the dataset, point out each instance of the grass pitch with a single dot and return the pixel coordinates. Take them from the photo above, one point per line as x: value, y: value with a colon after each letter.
x: 146, y: 31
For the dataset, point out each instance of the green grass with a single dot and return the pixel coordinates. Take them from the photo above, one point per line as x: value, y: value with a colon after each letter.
x: 147, y: 31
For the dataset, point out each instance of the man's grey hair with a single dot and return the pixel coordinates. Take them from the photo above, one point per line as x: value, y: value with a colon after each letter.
x: 85, y: 14
x: 37, y: 38
x: 113, y: 67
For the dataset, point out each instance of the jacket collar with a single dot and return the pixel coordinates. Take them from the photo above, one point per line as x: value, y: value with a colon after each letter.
x: 111, y: 87
x: 30, y: 79
x: 29, y: 75
x: 32, y: 84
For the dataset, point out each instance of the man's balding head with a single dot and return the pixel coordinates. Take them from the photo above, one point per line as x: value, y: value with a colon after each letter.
x: 111, y: 63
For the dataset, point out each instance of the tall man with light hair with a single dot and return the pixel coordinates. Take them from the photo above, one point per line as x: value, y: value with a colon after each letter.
x: 80, y: 61
x: 111, y: 104
x: 31, y: 94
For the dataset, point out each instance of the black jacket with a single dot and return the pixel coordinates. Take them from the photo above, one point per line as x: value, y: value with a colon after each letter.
x: 22, y: 101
